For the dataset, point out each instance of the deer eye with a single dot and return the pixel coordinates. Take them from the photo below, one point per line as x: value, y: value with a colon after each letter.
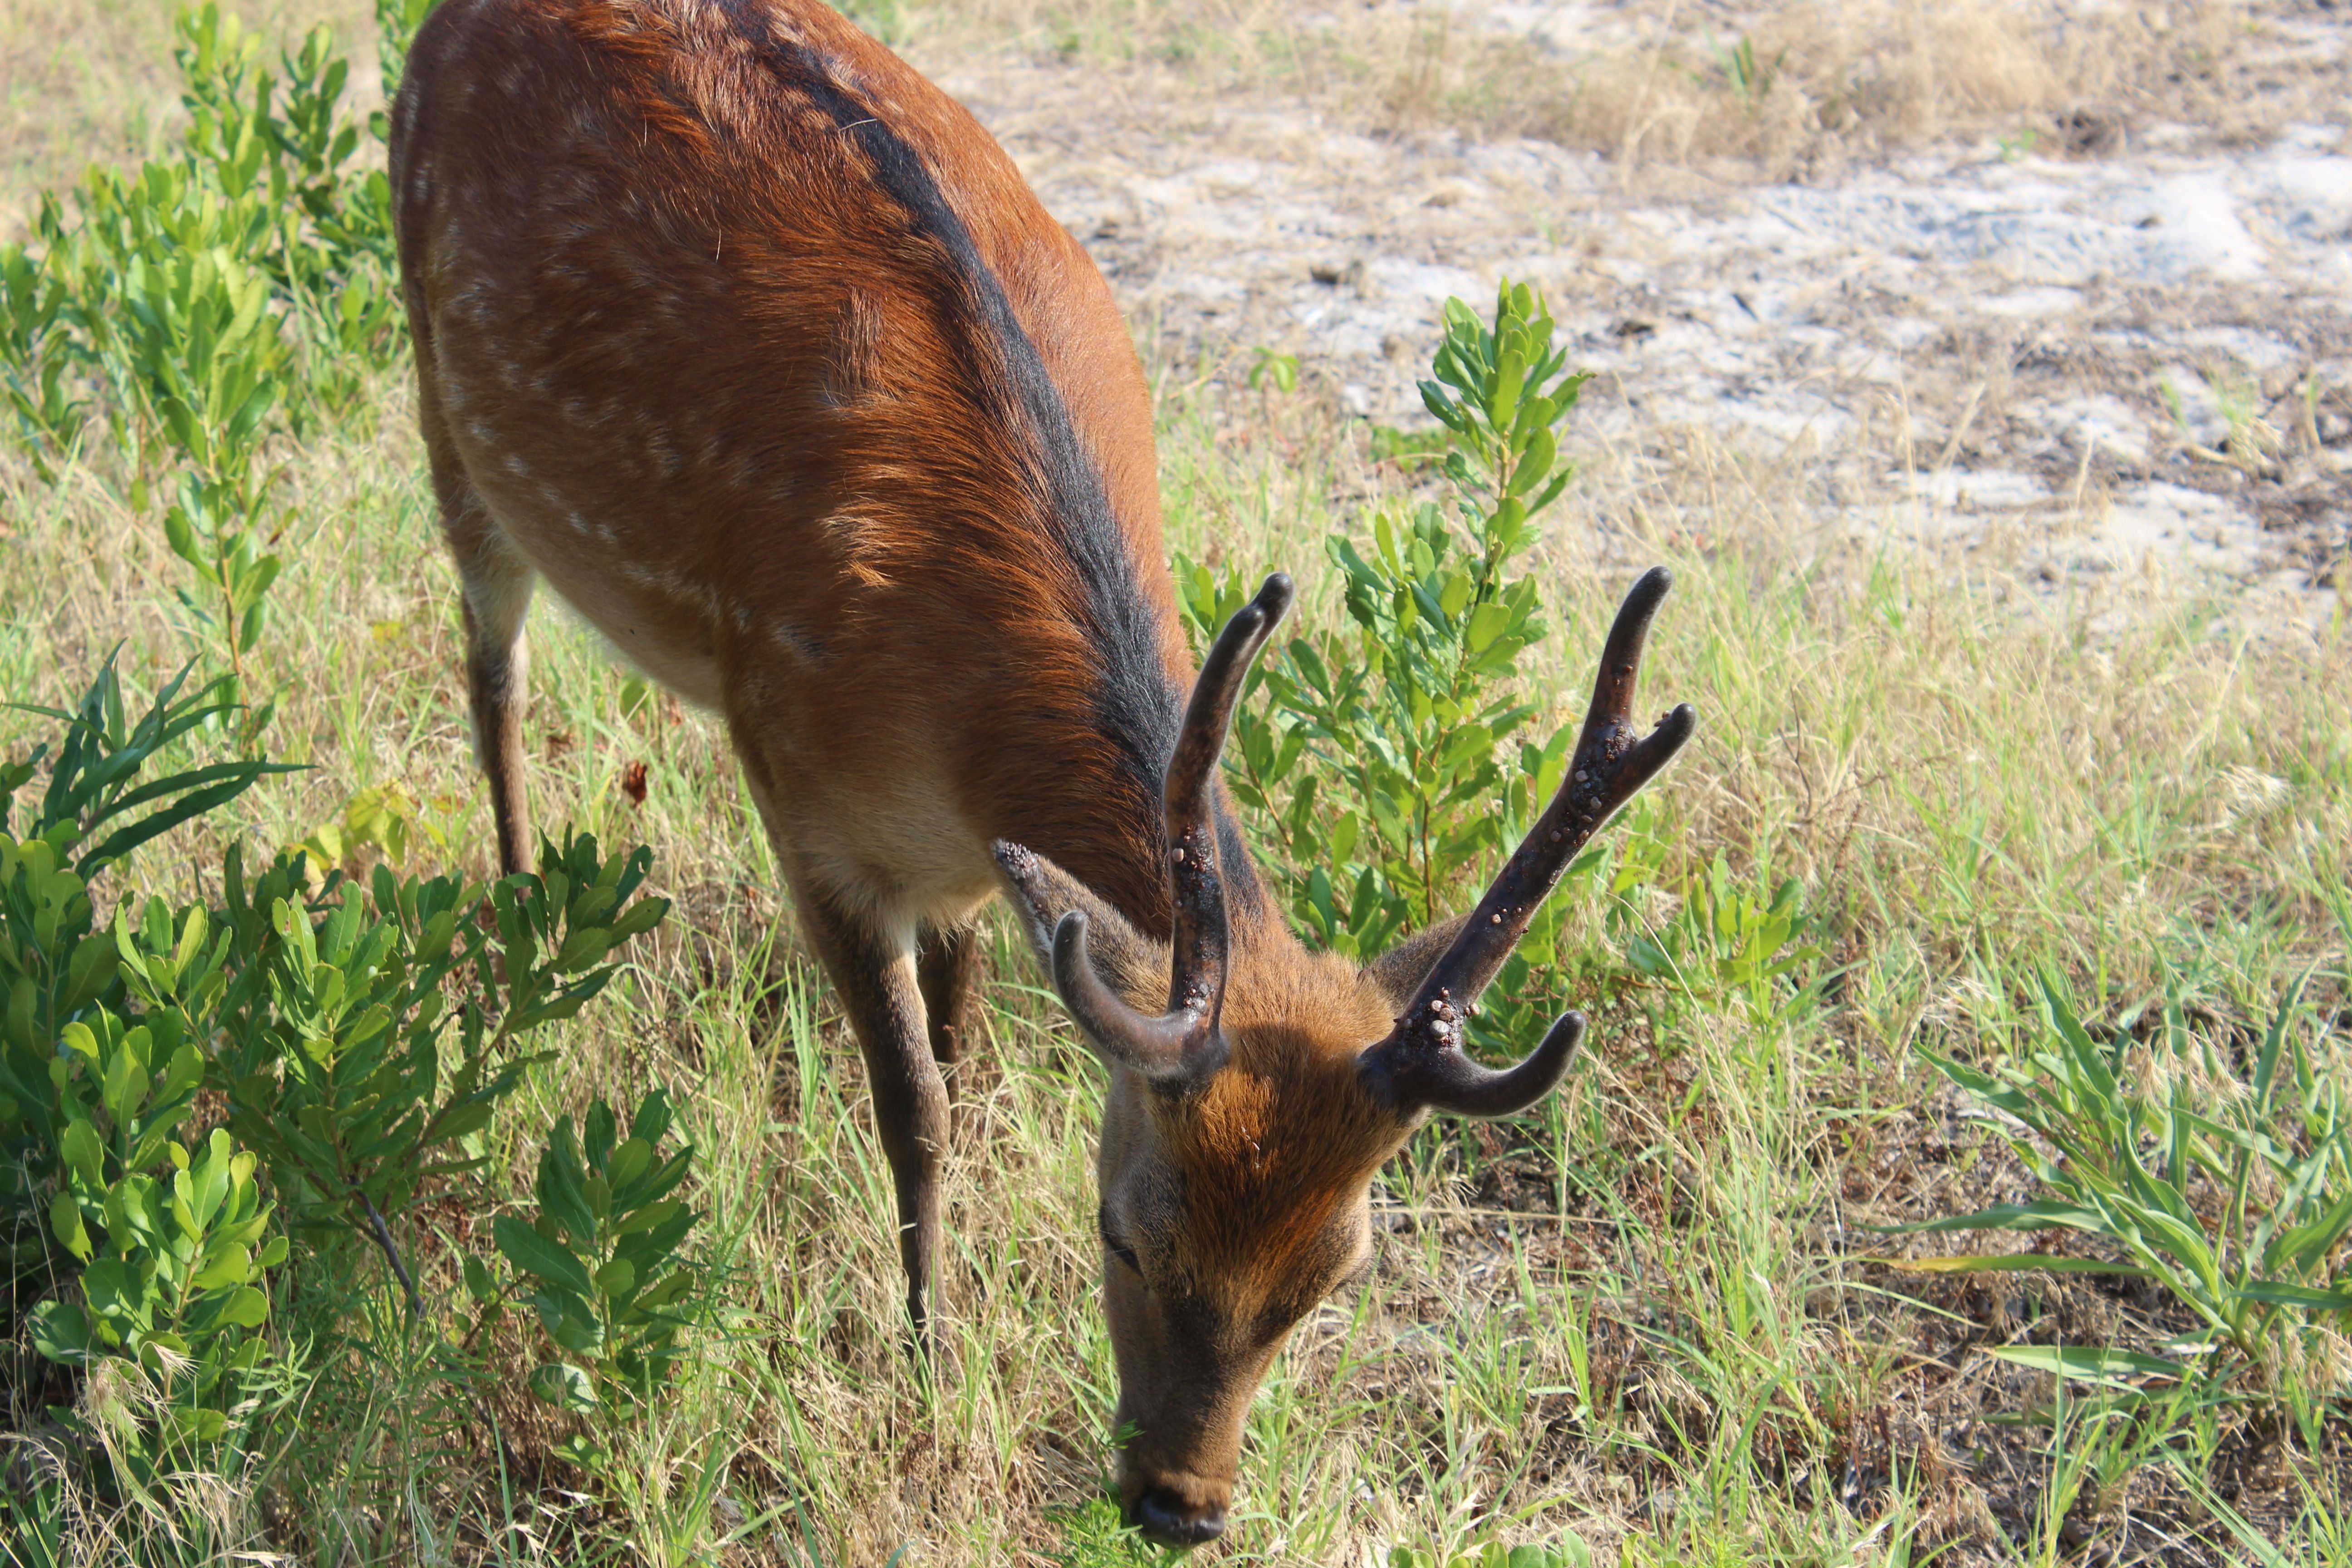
x: 1112, y: 1244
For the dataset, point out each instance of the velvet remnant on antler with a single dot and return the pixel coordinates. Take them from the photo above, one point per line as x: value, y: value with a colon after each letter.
x: 1422, y: 1065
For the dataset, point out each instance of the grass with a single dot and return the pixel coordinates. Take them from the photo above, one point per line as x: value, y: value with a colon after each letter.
x: 82, y: 84
x: 1635, y: 1318
x: 1790, y: 88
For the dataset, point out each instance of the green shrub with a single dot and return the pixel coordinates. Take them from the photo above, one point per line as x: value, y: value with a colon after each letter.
x: 1726, y: 945
x: 1568, y: 1552
x: 360, y: 1037
x: 57, y: 971
x: 172, y: 1280
x: 171, y: 1241
x: 1392, y: 764
x: 242, y: 284
x: 1376, y: 776
x: 340, y: 1068
x: 361, y: 1041
x: 601, y: 1261
x: 2230, y: 1187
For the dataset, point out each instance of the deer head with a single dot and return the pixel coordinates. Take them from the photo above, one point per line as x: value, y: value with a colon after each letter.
x: 1245, y: 1119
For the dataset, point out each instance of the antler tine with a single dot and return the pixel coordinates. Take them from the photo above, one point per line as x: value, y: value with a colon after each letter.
x: 1156, y: 1047
x: 1421, y: 1063
x: 1196, y: 981
x: 1183, y: 1045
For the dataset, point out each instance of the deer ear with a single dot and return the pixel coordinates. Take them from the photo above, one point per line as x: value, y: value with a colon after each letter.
x: 1398, y: 972
x: 1042, y: 893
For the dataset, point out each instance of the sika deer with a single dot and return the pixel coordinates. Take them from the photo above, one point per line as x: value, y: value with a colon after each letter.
x: 757, y: 348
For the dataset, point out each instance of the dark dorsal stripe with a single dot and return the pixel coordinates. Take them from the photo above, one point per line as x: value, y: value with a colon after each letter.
x: 1135, y: 706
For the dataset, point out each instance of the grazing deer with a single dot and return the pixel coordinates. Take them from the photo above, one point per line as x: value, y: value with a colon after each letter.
x: 757, y: 348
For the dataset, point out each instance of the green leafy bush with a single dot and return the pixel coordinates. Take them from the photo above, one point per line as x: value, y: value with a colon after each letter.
x: 361, y: 1041
x: 1568, y: 1552
x: 601, y: 1261
x: 57, y: 971
x: 340, y: 1068
x: 1725, y: 944
x: 171, y: 1240
x: 173, y: 1277
x: 352, y: 1041
x: 1376, y: 775
x: 1392, y: 762
x: 609, y: 1268
x: 241, y: 284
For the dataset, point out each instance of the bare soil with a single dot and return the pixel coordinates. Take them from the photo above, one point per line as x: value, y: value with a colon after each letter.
x: 2127, y: 352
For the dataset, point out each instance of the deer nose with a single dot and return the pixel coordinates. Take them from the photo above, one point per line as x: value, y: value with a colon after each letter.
x: 1169, y: 1521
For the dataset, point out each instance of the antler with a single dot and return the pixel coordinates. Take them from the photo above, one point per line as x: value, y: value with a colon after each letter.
x: 1183, y: 1046
x: 1420, y: 1064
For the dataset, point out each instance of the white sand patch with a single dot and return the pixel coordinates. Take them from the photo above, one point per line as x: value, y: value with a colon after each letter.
x: 2032, y: 302
x: 2048, y: 342
x: 2167, y: 525
x: 2102, y: 424
x: 1975, y: 490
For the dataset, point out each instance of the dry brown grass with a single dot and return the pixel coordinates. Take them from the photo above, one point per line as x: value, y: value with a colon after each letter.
x: 1786, y: 89
x: 1795, y: 88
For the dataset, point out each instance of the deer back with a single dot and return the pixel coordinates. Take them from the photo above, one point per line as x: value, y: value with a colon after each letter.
x: 758, y: 348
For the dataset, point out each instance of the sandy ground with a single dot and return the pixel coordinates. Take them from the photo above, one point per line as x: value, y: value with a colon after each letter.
x: 2094, y: 365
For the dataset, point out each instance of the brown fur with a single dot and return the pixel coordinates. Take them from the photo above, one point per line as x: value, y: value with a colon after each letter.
x: 683, y: 364
x: 683, y: 352
x: 1243, y: 1203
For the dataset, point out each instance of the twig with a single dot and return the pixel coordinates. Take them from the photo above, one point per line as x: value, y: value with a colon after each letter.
x: 399, y: 1269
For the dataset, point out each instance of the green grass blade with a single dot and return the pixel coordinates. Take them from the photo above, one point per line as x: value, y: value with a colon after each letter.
x: 2008, y: 1263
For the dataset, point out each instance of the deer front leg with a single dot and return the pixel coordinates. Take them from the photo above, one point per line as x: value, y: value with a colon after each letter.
x: 874, y: 974
x: 871, y: 964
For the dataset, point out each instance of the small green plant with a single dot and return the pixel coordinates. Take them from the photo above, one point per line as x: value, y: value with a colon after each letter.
x: 2017, y: 144
x: 1568, y: 1552
x: 1383, y: 774
x: 35, y: 352
x: 2254, y: 442
x: 94, y: 779
x: 1747, y: 80
x: 385, y: 817
x: 35, y: 1523
x: 2233, y: 1193
x: 1727, y: 944
x: 1270, y: 369
x: 2250, y: 442
x: 1094, y: 1535
x: 211, y: 361
x: 1408, y: 449
x: 601, y: 1263
x: 172, y: 1267
x: 184, y: 301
